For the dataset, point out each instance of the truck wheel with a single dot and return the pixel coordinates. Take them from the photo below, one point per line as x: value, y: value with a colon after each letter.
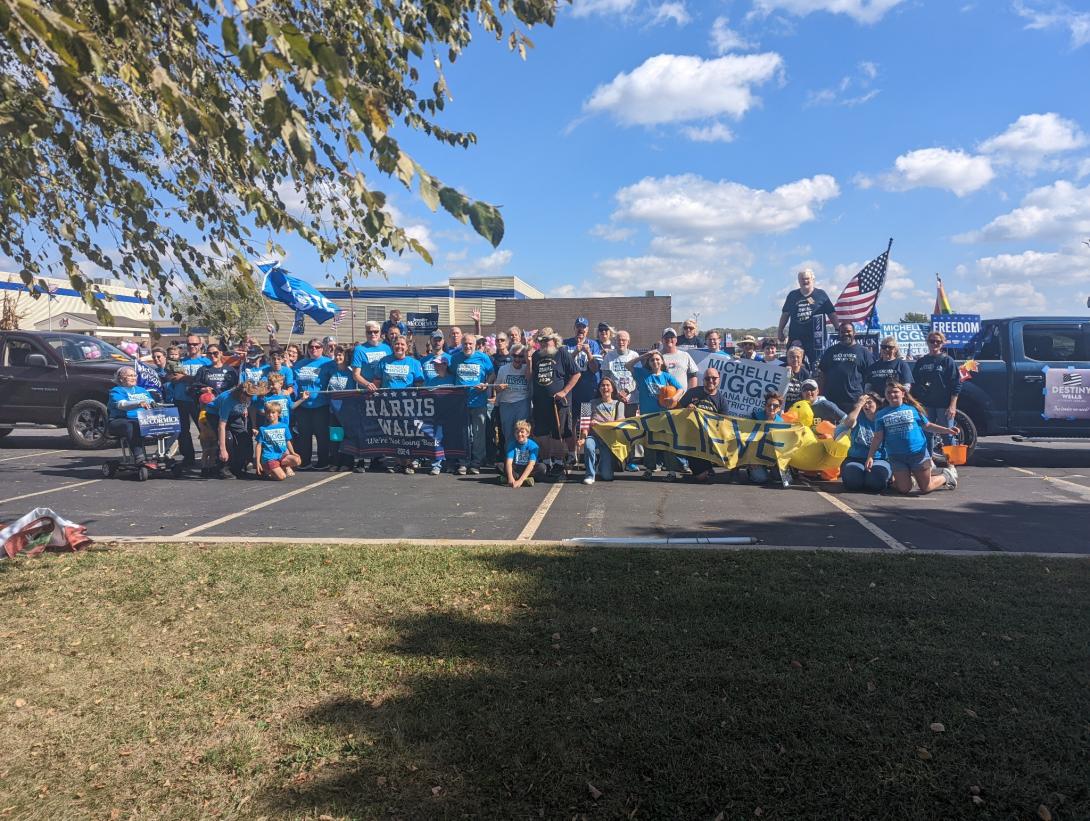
x: 965, y: 424
x: 5, y: 431
x: 87, y: 425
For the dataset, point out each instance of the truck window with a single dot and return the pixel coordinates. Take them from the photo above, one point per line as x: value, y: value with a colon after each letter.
x: 1043, y: 344
x: 15, y: 353
x: 986, y: 345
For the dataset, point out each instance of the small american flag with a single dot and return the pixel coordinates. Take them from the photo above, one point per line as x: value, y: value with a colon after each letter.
x: 585, y: 412
x: 861, y: 293
x: 337, y: 320
x: 52, y: 290
x: 1072, y: 379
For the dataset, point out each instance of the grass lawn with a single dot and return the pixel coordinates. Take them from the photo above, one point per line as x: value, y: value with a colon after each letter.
x: 502, y: 683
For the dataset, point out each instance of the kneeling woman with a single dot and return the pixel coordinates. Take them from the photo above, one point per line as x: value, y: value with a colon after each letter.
x: 126, y: 398
x: 862, y: 421
x: 900, y: 427
x: 236, y: 443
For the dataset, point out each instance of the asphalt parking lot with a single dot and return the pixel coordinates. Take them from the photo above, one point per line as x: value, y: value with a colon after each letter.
x: 1017, y: 496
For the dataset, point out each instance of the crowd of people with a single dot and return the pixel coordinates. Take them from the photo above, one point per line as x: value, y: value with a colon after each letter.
x: 534, y: 397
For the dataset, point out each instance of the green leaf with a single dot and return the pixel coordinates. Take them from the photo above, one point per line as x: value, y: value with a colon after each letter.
x: 429, y: 189
x: 230, y: 35
x: 487, y: 222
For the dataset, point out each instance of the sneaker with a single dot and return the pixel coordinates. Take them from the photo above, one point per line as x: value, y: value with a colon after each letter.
x: 390, y: 469
x: 529, y: 482
x: 785, y: 479
x: 589, y: 480
x: 632, y: 467
x: 289, y: 472
x: 359, y: 469
x: 462, y: 470
x: 950, y: 474
x: 409, y: 470
x: 436, y: 470
x: 474, y: 471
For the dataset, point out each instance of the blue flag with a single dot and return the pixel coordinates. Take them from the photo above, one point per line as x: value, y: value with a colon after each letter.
x: 147, y: 378
x: 296, y: 294
x: 299, y: 326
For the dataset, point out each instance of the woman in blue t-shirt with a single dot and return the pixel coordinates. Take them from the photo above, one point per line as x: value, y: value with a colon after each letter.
x: 337, y: 376
x: 651, y: 377
x: 862, y: 422
x: 900, y: 427
x: 759, y: 474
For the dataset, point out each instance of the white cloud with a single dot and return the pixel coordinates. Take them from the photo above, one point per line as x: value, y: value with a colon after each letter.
x: 585, y: 8
x: 725, y: 39
x: 862, y: 11
x: 691, y: 205
x: 713, y: 133
x: 1083, y: 169
x: 852, y: 90
x: 675, y: 88
x: 1068, y: 266
x: 1056, y: 15
x: 1058, y: 210
x: 899, y: 285
x: 671, y: 12
x: 611, y: 233
x: 1004, y: 298
x: 1030, y: 139
x: 953, y: 171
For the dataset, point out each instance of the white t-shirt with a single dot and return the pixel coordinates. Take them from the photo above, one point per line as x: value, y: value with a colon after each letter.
x: 613, y: 364
x: 681, y: 366
x: 517, y: 381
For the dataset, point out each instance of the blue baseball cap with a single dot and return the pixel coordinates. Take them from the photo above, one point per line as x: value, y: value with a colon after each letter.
x: 582, y: 320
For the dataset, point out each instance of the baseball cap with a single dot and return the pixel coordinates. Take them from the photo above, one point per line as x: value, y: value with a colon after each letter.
x: 604, y: 326
x: 748, y: 339
x: 669, y: 332
x: 254, y: 353
x: 582, y: 320
x: 810, y: 383
x: 436, y: 334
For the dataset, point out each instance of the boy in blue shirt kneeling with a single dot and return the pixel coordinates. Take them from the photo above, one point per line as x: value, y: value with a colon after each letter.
x: 276, y: 458
x: 521, y: 459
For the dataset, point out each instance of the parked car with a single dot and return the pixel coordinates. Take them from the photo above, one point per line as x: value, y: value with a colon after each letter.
x: 58, y: 379
x: 1006, y: 395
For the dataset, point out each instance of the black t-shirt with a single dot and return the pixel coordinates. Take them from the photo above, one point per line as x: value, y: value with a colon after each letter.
x: 885, y: 369
x: 687, y: 344
x: 699, y: 398
x: 793, y: 392
x: 501, y: 359
x: 551, y: 372
x: 218, y: 379
x: 803, y: 310
x: 845, y: 369
x: 238, y: 416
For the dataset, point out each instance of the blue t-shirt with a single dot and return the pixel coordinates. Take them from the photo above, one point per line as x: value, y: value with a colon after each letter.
x: 427, y: 363
x: 119, y: 393
x: 472, y: 370
x: 399, y: 373
x: 365, y: 357
x: 903, y: 429
x: 335, y: 379
x: 289, y: 374
x: 273, y: 440
x: 227, y: 408
x: 401, y: 326
x: 308, y: 377
x: 252, y: 373
x: 761, y: 416
x: 861, y: 436
x: 168, y: 386
x: 190, y: 366
x: 438, y: 381
x: 587, y: 387
x: 284, y: 401
x: 522, y: 455
x: 648, y: 384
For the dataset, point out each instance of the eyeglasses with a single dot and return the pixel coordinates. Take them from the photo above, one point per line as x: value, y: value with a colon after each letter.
x: 934, y: 342
x: 213, y: 352
x: 774, y: 404
x: 711, y: 378
x: 889, y: 347
x: 193, y: 344
x: 373, y: 331
x: 808, y: 390
x: 315, y: 347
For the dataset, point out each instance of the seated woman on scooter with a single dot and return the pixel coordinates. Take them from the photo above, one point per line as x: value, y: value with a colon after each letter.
x: 126, y: 398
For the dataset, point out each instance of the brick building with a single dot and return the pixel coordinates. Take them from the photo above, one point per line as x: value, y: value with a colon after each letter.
x: 643, y: 317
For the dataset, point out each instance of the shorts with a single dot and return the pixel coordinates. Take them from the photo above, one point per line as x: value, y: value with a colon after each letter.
x: 270, y: 465
x: 909, y: 461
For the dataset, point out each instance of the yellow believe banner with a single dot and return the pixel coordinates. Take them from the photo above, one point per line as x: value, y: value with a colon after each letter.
x: 724, y: 440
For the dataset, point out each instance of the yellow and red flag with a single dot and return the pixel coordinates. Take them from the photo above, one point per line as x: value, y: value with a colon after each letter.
x: 942, y: 304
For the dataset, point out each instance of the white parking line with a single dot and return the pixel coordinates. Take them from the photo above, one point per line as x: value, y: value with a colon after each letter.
x: 539, y: 514
x: 1081, y: 490
x: 231, y: 516
x: 51, y: 490
x: 862, y: 520
x: 28, y: 455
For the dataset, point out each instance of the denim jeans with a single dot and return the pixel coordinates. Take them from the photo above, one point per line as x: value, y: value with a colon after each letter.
x: 669, y: 460
x: 511, y: 412
x: 940, y: 417
x: 599, y: 458
x: 475, y: 433
x: 855, y: 476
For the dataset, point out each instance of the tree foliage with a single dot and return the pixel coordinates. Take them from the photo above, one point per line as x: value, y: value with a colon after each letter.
x: 167, y: 142
x: 915, y: 316
x: 227, y: 307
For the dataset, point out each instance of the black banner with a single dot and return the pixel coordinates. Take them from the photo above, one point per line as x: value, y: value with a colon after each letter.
x: 422, y: 323
x: 427, y: 423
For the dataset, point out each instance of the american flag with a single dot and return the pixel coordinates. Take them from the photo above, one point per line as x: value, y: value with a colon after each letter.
x: 52, y: 290
x: 1072, y: 379
x: 337, y: 320
x: 585, y: 411
x: 861, y: 293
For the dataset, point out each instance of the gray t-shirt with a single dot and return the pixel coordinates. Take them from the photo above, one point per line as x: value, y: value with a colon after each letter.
x: 613, y: 365
x: 680, y: 366
x: 517, y: 381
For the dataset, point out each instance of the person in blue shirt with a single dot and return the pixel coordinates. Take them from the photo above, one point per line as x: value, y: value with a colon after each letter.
x: 900, y: 427
x: 652, y: 377
x: 936, y: 383
x: 126, y: 398
x: 275, y: 457
x: 759, y: 474
x: 367, y: 355
x: 472, y: 368
x: 394, y: 322
x: 434, y: 351
x: 231, y: 410
x: 188, y: 410
x: 312, y: 417
x: 861, y: 421
x: 280, y: 365
x: 889, y: 365
x: 252, y: 369
x: 520, y: 463
x: 337, y: 376
x: 399, y: 370
x: 159, y: 362
x: 587, y: 355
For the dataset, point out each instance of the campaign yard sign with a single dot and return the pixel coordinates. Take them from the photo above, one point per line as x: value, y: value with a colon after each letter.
x: 746, y: 382
x: 959, y: 329
x: 427, y: 423
x: 1067, y: 393
x: 159, y: 421
x: 911, y: 337
x: 418, y: 323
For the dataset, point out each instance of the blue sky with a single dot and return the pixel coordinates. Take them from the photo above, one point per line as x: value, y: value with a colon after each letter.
x: 711, y: 149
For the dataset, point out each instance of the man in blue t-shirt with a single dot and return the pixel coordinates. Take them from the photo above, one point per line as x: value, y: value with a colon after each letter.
x: 472, y: 368
x: 369, y: 354
x: 192, y: 361
x: 435, y: 351
x: 312, y: 417
x: 587, y: 355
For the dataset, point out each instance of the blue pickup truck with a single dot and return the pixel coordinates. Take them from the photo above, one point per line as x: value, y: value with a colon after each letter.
x: 1007, y: 394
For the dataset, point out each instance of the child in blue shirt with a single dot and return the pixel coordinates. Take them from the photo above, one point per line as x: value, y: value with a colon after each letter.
x: 276, y: 457
x: 900, y: 427
x: 520, y: 464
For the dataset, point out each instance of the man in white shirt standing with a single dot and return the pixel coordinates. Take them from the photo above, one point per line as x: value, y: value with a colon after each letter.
x: 679, y: 363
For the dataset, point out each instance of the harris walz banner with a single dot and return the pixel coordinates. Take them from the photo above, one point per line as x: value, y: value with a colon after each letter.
x: 427, y: 423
